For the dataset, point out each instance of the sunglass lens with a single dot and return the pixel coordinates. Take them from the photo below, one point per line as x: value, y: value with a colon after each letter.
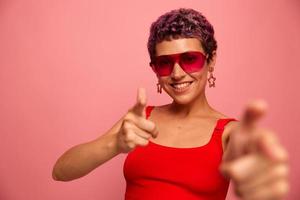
x: 192, y: 61
x: 164, y: 65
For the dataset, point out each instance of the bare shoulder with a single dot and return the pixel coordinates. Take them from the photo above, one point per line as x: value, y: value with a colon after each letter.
x: 227, y: 130
x: 229, y: 126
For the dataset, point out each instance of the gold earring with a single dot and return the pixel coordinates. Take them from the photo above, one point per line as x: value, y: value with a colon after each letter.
x: 211, y: 80
x: 159, y: 88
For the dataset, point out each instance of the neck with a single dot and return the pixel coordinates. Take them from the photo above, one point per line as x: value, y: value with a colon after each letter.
x: 197, y: 107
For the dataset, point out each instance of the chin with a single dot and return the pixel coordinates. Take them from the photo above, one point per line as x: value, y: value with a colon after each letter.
x: 183, y: 99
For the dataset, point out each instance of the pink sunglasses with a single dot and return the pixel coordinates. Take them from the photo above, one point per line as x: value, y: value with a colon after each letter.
x: 190, y: 61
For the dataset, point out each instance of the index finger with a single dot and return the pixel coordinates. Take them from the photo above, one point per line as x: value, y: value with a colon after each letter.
x: 253, y: 112
x: 141, y: 102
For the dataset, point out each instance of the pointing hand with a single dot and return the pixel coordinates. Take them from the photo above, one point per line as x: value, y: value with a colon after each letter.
x: 254, y: 159
x: 136, y: 129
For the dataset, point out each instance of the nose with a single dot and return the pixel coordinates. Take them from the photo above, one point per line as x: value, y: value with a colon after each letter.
x: 177, y: 72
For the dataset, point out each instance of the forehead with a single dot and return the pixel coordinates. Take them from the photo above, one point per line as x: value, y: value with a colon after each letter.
x: 178, y: 45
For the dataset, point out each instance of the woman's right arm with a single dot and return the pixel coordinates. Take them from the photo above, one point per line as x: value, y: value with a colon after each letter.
x: 83, y: 158
x: 131, y: 130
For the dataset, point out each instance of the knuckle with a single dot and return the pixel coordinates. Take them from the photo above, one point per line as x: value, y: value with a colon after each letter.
x: 126, y: 140
x: 151, y: 123
x: 126, y: 120
x: 281, y: 171
x: 126, y: 124
x: 144, y: 142
x: 129, y: 136
x: 147, y: 136
x: 153, y: 129
x: 128, y: 117
x: 131, y: 114
x: 281, y: 188
x: 285, y: 155
x: 233, y: 175
x: 130, y: 110
x: 131, y: 145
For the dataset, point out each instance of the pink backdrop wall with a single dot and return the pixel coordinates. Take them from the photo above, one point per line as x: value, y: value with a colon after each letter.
x: 59, y: 88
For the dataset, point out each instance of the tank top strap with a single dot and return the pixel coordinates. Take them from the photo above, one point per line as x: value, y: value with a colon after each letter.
x: 148, y: 110
x: 222, y: 123
x: 218, y: 131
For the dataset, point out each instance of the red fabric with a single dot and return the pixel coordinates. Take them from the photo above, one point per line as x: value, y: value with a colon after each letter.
x: 156, y: 172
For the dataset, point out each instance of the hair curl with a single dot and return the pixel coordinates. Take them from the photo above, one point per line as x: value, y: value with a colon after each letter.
x: 182, y: 23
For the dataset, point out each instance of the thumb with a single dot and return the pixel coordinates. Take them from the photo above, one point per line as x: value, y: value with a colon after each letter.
x: 141, y: 102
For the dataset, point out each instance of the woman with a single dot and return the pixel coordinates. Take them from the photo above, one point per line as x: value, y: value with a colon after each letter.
x: 175, y: 151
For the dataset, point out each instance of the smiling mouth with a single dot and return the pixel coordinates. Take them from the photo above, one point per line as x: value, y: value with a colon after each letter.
x: 182, y: 86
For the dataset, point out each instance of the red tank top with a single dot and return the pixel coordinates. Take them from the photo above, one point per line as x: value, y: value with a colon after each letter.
x: 156, y: 172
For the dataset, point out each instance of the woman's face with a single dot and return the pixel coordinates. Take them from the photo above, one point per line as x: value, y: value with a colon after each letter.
x: 178, y: 75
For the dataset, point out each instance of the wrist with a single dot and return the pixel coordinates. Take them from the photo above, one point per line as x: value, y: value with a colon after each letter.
x: 113, y: 146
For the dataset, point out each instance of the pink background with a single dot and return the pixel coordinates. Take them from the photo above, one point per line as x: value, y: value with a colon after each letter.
x: 59, y: 87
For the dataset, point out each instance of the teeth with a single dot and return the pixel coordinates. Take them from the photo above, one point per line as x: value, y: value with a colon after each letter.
x: 181, y: 85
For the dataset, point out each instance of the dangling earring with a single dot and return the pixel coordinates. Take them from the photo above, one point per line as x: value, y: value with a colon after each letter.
x: 159, y: 88
x: 211, y: 80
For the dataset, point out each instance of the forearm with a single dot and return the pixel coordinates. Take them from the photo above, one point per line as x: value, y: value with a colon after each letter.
x: 83, y: 158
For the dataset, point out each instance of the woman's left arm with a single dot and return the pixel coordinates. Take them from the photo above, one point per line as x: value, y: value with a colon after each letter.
x: 254, y: 159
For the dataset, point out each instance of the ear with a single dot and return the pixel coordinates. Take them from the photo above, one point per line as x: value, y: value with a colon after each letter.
x: 212, y: 62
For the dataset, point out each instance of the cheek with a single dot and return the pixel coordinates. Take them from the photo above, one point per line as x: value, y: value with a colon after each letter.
x: 163, y: 82
x: 200, y: 76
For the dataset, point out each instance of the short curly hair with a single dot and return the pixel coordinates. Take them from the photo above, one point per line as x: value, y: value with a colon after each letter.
x: 182, y: 23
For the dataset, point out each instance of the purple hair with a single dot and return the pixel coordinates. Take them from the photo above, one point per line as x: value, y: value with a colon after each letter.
x: 182, y: 23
